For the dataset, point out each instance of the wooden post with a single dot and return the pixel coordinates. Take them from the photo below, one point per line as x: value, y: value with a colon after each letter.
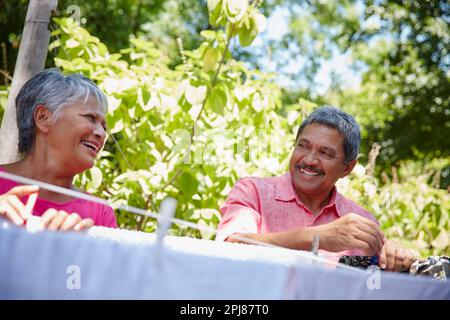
x: 30, y: 61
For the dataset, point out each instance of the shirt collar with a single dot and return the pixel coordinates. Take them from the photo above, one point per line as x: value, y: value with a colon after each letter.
x: 284, y: 191
x: 338, y: 200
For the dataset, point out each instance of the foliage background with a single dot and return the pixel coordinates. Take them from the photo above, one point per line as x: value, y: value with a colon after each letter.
x: 192, y: 111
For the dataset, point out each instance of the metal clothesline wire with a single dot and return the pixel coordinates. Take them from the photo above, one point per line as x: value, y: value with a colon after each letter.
x: 135, y: 210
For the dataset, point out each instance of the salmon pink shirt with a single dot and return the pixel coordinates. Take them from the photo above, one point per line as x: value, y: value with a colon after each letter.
x: 101, y: 214
x: 265, y: 205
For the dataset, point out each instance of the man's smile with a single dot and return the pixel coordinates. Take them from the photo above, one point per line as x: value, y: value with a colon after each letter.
x: 308, y: 170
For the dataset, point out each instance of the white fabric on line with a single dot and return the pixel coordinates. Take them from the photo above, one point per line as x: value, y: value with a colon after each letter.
x: 122, y: 264
x: 341, y: 284
x: 209, y: 248
x: 34, y: 266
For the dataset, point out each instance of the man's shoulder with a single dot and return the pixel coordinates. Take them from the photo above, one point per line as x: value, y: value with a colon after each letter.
x: 346, y: 205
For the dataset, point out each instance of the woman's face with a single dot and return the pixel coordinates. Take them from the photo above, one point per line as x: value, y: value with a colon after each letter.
x: 77, y: 135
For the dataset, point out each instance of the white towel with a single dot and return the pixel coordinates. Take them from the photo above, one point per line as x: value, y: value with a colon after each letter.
x: 319, y: 283
x: 35, y: 266
x: 122, y: 264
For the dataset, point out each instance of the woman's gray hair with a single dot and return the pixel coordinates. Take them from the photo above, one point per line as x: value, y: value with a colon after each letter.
x: 55, y: 91
x: 344, y: 123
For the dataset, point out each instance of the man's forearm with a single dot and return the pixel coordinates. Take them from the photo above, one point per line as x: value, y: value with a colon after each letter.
x: 299, y: 239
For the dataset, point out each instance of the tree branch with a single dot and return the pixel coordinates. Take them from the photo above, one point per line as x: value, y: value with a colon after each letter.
x: 191, y: 140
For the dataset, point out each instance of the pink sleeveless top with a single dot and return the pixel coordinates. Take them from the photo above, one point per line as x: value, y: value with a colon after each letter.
x: 101, y: 214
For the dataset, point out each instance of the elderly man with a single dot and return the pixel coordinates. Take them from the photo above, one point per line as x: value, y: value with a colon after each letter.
x: 291, y: 209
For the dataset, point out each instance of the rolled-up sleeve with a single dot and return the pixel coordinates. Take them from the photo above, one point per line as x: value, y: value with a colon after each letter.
x: 240, y: 213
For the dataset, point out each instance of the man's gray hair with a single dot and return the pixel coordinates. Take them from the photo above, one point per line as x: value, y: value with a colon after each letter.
x: 55, y: 91
x: 344, y: 123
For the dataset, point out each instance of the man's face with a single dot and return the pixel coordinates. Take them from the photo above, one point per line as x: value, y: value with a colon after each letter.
x: 318, y: 160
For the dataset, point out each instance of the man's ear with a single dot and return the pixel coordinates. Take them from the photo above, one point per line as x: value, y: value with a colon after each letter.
x: 349, y: 167
x: 42, y: 118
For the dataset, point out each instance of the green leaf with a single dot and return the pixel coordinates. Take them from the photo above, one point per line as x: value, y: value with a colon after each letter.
x: 118, y: 125
x: 208, y: 34
x: 235, y: 10
x: 217, y: 100
x: 210, y: 58
x: 215, y: 16
x: 102, y: 49
x: 54, y: 44
x: 230, y: 31
x: 71, y: 43
x: 97, y: 177
x: 247, y: 35
x: 212, y: 4
x: 195, y: 95
x: 143, y: 97
x: 189, y: 184
x: 63, y: 64
x: 113, y: 103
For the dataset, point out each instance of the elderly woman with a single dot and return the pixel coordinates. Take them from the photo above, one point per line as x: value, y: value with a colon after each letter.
x: 61, y: 121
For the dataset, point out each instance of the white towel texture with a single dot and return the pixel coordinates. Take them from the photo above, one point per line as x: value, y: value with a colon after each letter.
x: 107, y: 263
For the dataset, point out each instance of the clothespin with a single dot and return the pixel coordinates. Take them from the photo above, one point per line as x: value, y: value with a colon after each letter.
x: 166, y: 213
x: 315, y: 245
x: 33, y: 224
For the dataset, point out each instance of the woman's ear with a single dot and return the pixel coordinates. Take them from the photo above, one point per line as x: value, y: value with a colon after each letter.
x: 42, y: 118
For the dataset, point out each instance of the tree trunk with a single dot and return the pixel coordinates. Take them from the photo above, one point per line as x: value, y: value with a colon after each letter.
x: 30, y: 61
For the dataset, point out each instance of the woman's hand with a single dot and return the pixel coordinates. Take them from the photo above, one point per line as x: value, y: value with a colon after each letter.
x: 13, y: 208
x: 60, y: 220
x: 16, y: 211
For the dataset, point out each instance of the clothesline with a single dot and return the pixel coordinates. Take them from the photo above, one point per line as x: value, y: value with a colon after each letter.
x: 322, y: 258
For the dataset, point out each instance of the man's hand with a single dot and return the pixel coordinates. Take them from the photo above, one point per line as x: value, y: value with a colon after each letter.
x: 351, y: 231
x: 13, y: 208
x: 395, y: 258
x: 60, y: 220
